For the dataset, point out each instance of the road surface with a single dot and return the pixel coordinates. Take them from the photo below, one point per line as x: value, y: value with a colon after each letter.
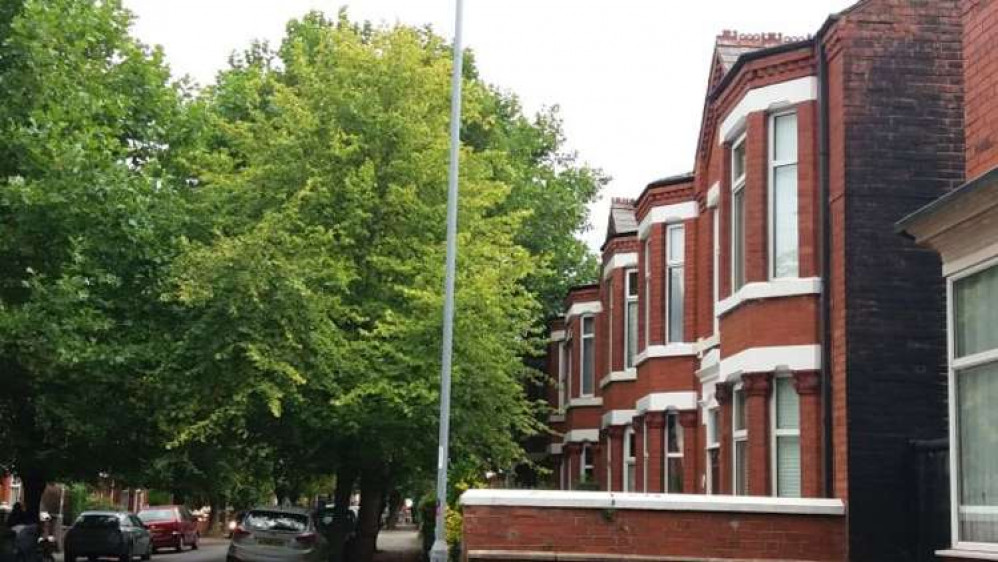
x: 212, y: 550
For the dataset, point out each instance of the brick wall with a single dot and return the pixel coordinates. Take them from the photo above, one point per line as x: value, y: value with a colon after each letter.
x: 902, y: 84
x: 541, y: 533
x: 980, y: 47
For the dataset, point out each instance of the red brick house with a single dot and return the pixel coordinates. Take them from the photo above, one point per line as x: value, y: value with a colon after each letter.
x: 755, y: 373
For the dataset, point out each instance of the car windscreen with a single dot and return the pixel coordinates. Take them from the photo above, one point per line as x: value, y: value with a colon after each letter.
x: 275, y: 521
x: 150, y: 515
x: 97, y: 522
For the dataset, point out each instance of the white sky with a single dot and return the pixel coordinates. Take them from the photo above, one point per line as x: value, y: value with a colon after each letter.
x: 630, y: 75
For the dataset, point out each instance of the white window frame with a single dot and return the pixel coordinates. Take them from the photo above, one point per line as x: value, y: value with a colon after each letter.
x: 629, y: 361
x: 738, y: 186
x: 776, y: 433
x: 670, y: 266
x: 609, y: 326
x: 568, y: 366
x: 669, y: 454
x: 609, y: 463
x: 771, y: 166
x: 737, y: 436
x: 562, y: 375
x: 717, y: 269
x: 585, y: 338
x: 629, y: 460
x: 647, y: 293
x: 644, y: 455
x: 713, y: 443
x: 957, y: 364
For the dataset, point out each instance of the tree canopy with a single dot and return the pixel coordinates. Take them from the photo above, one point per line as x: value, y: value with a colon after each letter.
x: 247, y: 280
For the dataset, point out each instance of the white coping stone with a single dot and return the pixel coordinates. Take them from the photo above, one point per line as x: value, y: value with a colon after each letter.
x: 766, y: 98
x: 677, y: 212
x: 558, y: 335
x: 714, y: 195
x: 767, y: 359
x: 580, y: 435
x: 652, y: 502
x: 628, y: 259
x: 619, y: 376
x: 667, y: 350
x: 556, y: 418
x: 554, y: 449
x: 662, y: 401
x: 769, y: 290
x: 617, y: 417
x: 587, y: 307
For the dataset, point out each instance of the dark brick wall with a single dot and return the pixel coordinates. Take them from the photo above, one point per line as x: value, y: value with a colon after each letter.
x: 904, y: 146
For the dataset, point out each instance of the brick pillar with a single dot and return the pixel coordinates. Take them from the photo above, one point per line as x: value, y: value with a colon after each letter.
x: 722, y: 393
x: 638, y: 422
x: 572, y: 451
x: 655, y: 423
x: 688, y: 420
x: 6, y: 480
x: 757, y: 387
x: 616, y: 434
x: 808, y: 385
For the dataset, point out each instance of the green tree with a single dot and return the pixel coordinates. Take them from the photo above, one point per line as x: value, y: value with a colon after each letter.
x: 317, y: 296
x: 89, y: 199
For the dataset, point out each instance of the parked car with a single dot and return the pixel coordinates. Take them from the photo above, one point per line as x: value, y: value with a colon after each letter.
x: 172, y: 526
x: 107, y: 533
x: 278, y: 534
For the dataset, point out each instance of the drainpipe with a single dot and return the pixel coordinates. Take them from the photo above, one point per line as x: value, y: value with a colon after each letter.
x: 825, y: 325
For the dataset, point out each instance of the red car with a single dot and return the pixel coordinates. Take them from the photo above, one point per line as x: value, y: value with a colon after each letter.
x: 171, y: 526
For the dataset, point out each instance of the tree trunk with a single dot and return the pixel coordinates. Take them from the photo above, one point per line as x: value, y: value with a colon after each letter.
x: 342, y: 527
x: 372, y: 493
x: 33, y: 483
x: 394, y: 505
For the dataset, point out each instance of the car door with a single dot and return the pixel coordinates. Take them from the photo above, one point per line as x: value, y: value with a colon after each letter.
x: 141, y: 534
x: 188, y: 524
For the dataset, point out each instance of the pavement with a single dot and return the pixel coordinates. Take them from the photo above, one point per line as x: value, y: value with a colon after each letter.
x: 400, y: 545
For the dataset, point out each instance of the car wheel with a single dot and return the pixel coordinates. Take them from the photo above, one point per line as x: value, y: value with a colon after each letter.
x: 180, y: 543
x: 127, y: 556
x: 197, y: 540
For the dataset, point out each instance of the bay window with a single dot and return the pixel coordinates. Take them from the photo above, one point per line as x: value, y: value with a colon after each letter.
x: 782, y: 174
x: 786, y: 438
x: 738, y: 215
x: 629, y: 460
x: 647, y: 296
x: 609, y: 327
x: 716, y: 278
x: 673, y: 454
x: 676, y: 237
x: 586, y: 464
x: 631, y: 318
x: 588, y: 356
x: 739, y: 437
x: 714, y: 451
x: 561, y: 377
x: 974, y: 372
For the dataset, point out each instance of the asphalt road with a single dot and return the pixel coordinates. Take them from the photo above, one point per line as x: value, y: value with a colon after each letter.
x: 211, y: 550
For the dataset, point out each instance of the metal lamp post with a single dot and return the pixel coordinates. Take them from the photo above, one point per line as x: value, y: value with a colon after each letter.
x: 438, y: 553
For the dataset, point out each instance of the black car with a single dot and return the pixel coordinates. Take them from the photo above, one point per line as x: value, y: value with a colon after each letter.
x: 114, y: 534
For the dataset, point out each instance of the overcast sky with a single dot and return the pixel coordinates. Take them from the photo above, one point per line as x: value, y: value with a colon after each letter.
x: 629, y: 75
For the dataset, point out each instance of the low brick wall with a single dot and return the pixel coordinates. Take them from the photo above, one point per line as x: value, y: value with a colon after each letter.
x: 519, y: 526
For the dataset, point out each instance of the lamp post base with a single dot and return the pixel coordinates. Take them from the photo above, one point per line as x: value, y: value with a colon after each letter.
x: 438, y: 552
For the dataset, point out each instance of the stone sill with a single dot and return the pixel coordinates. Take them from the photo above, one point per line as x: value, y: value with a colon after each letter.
x: 652, y: 502
x: 967, y: 554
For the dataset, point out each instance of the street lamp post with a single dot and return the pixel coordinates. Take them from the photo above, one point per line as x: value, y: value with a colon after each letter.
x: 438, y: 553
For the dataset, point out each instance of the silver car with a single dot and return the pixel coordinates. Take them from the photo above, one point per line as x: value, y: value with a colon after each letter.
x: 277, y: 535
